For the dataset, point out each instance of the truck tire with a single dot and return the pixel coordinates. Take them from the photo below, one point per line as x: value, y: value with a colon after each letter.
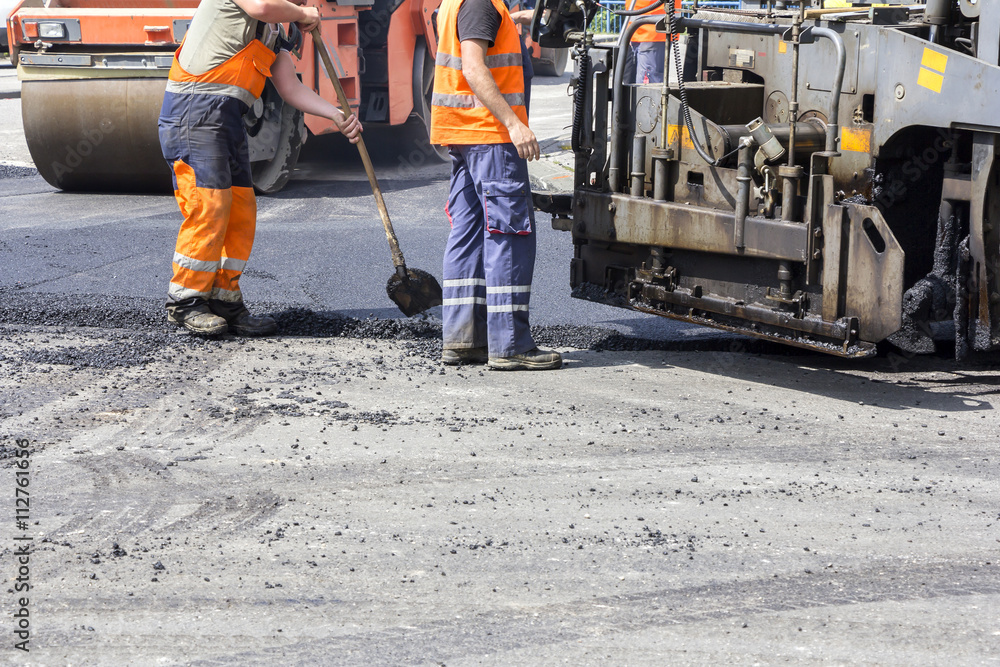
x: 272, y: 174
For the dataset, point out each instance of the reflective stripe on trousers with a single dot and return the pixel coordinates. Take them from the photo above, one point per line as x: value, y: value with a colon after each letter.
x: 204, y: 143
x: 490, y: 256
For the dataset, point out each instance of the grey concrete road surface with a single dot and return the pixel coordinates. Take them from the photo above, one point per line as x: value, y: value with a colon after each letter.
x: 334, y: 496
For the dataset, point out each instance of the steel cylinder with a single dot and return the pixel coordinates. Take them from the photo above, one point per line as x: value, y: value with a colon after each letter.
x: 638, y: 186
x: 93, y: 134
x: 809, y: 137
x: 937, y: 12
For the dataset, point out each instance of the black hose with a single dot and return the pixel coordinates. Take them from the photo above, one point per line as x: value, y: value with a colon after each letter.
x: 682, y: 91
x: 580, y: 98
x: 635, y: 12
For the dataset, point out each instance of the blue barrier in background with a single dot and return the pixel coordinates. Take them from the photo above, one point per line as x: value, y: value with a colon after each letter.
x: 607, y: 23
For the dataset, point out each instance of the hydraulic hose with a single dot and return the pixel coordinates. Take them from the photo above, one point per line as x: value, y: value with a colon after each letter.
x: 682, y: 90
x: 580, y: 98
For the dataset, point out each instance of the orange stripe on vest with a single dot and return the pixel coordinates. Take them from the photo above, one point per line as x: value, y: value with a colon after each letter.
x: 248, y: 69
x: 457, y: 116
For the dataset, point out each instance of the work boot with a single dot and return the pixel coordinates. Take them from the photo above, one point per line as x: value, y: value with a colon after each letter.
x: 532, y: 360
x: 465, y: 355
x: 195, y: 315
x: 241, y: 322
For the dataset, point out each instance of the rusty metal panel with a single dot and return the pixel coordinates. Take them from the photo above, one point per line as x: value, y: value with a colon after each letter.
x: 626, y: 219
x: 834, y: 262
x: 874, y: 274
x: 984, y: 244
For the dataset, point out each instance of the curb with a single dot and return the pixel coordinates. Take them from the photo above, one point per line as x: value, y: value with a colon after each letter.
x: 554, y: 171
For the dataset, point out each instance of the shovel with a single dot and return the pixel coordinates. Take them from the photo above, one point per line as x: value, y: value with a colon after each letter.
x: 413, y: 290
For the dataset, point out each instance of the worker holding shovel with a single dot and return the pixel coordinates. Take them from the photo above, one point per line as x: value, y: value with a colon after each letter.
x: 231, y: 48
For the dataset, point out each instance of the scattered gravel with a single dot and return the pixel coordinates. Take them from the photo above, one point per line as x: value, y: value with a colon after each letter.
x: 11, y: 171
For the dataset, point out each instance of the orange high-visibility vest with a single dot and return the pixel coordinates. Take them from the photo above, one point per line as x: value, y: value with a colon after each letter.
x: 243, y: 76
x: 457, y: 115
x: 647, y: 33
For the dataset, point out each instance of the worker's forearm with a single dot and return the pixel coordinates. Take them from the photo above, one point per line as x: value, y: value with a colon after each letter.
x: 485, y: 87
x: 299, y: 95
x: 307, y: 101
x: 273, y: 11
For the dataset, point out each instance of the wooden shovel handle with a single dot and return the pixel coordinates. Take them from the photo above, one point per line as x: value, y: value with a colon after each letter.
x: 345, y: 106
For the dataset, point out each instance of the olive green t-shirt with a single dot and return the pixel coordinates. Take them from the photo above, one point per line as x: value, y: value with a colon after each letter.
x: 218, y: 31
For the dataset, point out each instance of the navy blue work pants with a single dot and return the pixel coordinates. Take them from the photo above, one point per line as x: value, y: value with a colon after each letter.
x: 649, y: 61
x: 490, y: 256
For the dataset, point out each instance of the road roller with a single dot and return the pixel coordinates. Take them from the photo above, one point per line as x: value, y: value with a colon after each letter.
x: 827, y: 179
x: 93, y: 74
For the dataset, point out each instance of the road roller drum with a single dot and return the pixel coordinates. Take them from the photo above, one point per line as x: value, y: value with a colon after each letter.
x: 96, y: 135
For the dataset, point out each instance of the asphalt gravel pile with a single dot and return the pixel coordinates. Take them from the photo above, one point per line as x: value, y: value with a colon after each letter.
x: 11, y: 171
x: 80, y: 310
x: 146, y: 316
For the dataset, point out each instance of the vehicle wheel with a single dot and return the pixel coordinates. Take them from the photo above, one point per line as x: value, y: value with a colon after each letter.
x: 552, y: 63
x: 423, y: 89
x: 270, y: 175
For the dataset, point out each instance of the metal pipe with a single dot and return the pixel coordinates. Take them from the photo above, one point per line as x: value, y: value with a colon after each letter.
x: 810, y: 135
x: 743, y: 192
x: 638, y: 188
x: 793, y: 104
x: 833, y: 120
x: 789, y: 192
x: 659, y: 178
x: 618, y: 121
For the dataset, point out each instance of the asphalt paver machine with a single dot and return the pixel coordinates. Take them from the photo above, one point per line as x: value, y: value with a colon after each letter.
x: 829, y: 180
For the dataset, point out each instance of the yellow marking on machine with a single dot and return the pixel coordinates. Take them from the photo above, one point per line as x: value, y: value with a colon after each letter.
x: 674, y: 132
x: 856, y: 140
x: 932, y: 67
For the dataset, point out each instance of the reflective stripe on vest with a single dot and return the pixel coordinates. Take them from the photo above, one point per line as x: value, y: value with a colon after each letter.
x: 202, y: 88
x: 471, y: 101
x: 497, y: 60
x: 457, y: 115
x: 647, y: 33
x: 243, y: 76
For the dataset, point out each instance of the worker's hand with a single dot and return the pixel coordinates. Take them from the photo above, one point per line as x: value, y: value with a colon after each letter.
x: 310, y: 21
x: 524, y: 141
x: 350, y: 127
x: 523, y: 16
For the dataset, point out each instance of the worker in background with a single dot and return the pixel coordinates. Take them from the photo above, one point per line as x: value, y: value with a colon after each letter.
x: 478, y: 111
x: 648, y: 45
x: 230, y: 49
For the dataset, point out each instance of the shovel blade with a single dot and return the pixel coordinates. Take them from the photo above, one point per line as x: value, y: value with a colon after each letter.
x: 418, y: 292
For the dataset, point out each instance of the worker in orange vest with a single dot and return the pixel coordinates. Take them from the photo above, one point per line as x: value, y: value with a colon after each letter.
x: 648, y: 45
x: 219, y: 72
x: 478, y: 111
